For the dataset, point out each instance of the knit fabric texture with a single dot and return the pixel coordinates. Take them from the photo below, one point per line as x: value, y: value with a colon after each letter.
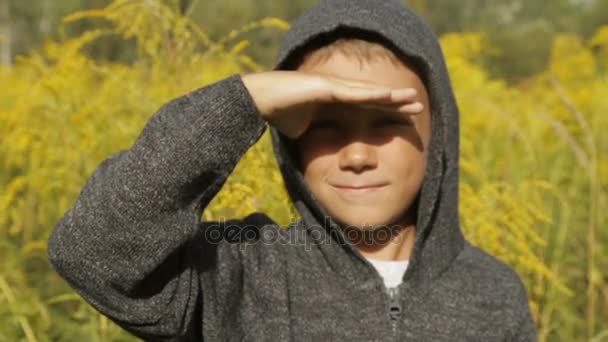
x: 133, y: 245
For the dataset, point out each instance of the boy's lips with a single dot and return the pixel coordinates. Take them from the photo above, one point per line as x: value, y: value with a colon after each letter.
x: 358, y: 189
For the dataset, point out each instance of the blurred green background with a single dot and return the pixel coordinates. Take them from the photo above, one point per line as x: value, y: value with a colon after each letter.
x: 520, y: 32
x: 80, y: 78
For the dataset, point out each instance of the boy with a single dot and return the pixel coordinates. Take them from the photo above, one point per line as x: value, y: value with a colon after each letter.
x: 368, y: 150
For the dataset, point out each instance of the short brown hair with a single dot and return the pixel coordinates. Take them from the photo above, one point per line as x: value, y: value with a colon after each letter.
x: 363, y: 45
x: 362, y: 50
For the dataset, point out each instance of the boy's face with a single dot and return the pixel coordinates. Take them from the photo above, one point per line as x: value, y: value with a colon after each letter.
x: 348, y: 146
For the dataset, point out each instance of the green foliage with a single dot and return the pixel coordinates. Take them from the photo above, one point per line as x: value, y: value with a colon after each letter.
x: 533, y: 178
x: 521, y: 29
x: 62, y: 113
x: 534, y: 171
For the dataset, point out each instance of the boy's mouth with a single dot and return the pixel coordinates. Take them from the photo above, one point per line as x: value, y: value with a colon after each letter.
x: 357, y: 189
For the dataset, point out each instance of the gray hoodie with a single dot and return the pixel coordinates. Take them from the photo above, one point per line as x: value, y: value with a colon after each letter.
x: 133, y: 246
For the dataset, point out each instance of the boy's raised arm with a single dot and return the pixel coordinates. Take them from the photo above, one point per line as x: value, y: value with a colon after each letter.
x: 130, y: 244
x: 124, y: 244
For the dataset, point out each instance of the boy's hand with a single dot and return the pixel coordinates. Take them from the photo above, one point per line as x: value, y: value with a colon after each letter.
x: 287, y: 99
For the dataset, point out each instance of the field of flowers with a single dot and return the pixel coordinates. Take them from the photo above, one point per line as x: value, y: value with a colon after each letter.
x: 533, y: 156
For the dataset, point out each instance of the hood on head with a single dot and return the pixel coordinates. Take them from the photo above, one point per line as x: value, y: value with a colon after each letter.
x: 438, y: 235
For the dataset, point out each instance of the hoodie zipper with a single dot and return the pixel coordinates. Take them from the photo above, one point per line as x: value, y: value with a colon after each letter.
x: 394, y: 308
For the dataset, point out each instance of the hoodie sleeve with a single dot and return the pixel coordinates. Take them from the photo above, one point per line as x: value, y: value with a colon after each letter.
x: 525, y: 328
x: 128, y: 244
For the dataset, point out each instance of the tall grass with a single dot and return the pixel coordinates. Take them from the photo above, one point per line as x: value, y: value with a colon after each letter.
x: 533, y: 157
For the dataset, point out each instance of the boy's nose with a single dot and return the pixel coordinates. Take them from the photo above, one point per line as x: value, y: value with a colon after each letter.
x: 358, y: 156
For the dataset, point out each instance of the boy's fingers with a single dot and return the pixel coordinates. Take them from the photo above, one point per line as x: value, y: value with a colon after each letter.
x: 410, y: 108
x: 378, y: 94
x: 398, y: 97
x: 356, y: 94
x: 375, y: 96
x: 403, y: 94
x: 397, y: 93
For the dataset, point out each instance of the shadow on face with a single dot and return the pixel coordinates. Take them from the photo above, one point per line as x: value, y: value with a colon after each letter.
x: 364, y: 165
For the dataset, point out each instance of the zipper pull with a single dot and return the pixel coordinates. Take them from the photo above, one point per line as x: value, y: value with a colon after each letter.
x: 395, y: 304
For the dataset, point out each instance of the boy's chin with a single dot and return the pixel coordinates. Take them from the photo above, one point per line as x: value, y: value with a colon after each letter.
x: 369, y: 234
x: 367, y: 225
x: 386, y: 223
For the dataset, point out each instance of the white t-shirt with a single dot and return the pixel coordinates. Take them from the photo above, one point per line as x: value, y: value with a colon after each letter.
x: 392, y: 271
